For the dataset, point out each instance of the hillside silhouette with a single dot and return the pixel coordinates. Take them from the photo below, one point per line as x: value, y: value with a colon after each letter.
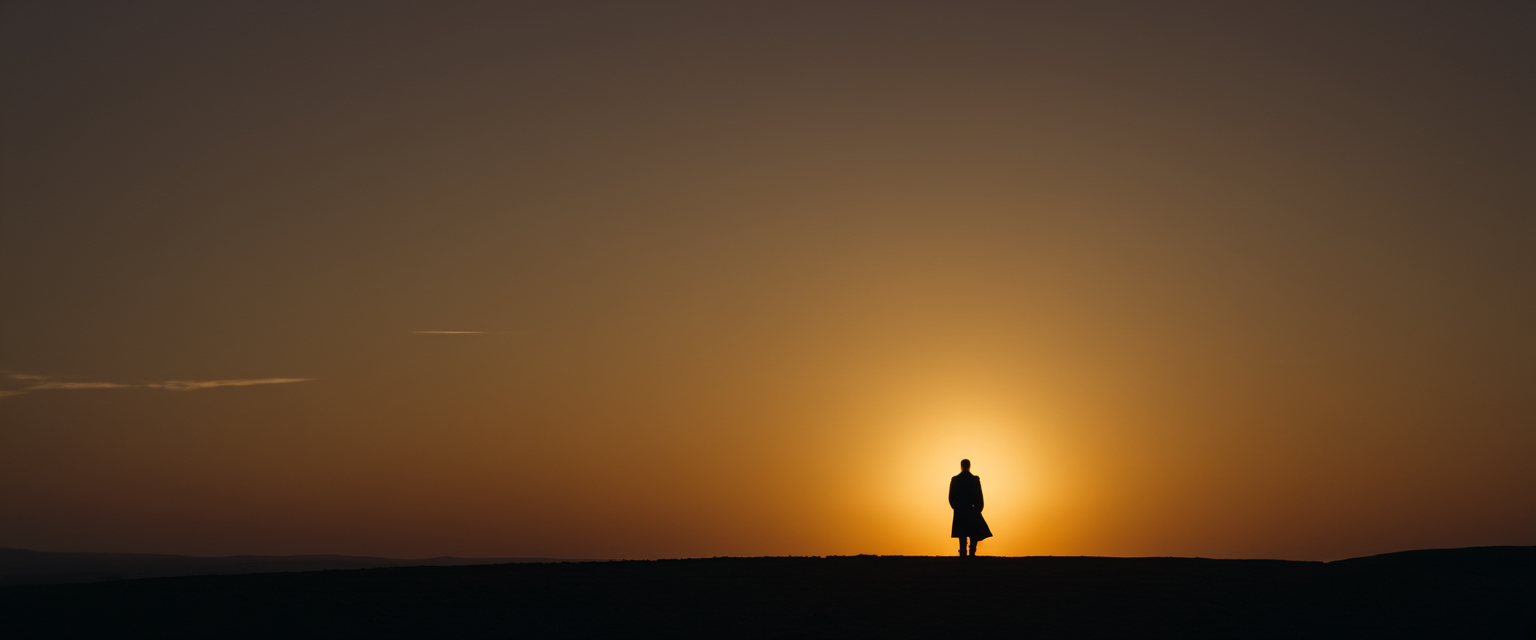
x: 21, y: 566
x: 1484, y: 592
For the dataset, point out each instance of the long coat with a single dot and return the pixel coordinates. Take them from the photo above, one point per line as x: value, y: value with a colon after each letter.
x: 965, y: 499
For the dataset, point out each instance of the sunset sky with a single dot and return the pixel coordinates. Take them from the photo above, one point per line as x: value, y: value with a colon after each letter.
x: 659, y: 279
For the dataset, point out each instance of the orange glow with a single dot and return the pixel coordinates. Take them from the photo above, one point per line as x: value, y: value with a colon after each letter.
x: 522, y: 280
x: 917, y: 470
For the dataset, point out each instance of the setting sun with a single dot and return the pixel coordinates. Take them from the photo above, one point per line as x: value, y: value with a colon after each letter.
x: 641, y: 281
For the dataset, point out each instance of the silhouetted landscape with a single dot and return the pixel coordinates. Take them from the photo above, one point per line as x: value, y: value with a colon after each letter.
x: 692, y: 294
x: 22, y: 567
x: 1483, y: 592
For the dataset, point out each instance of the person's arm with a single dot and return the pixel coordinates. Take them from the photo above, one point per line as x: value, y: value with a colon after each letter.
x: 980, y: 503
x: 952, y: 488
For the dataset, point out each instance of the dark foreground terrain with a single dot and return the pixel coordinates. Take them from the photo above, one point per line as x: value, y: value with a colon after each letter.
x: 1487, y: 592
x: 21, y: 566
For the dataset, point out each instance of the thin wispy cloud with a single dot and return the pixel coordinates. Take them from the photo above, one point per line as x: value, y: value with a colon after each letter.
x: 81, y: 385
x: 50, y: 383
x: 189, y: 385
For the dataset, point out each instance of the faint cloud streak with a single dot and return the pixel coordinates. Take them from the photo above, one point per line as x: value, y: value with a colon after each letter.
x: 170, y: 385
x: 81, y: 385
x: 190, y: 385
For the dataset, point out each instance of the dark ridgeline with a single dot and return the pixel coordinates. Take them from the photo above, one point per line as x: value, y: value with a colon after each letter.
x: 22, y: 566
x: 1462, y: 593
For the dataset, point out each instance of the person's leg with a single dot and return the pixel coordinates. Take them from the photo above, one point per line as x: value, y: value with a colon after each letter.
x: 962, y: 546
x: 974, y: 542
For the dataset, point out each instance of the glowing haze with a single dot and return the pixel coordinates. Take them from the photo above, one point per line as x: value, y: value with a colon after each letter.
x: 655, y: 279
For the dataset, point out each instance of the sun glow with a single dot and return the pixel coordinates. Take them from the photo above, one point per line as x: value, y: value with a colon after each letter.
x: 915, y: 471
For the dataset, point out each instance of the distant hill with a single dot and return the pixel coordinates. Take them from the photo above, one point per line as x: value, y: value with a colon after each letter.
x: 1452, y: 593
x: 1470, y: 557
x: 20, y: 566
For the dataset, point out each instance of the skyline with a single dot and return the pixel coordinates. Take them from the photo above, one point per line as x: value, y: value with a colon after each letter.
x: 615, y: 280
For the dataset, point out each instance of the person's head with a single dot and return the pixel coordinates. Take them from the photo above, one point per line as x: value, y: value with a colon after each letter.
x: 965, y: 465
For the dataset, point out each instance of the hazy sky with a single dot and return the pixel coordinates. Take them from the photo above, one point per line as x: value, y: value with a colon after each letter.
x: 641, y: 279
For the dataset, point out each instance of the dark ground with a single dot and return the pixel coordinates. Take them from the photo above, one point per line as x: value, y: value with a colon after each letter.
x: 1486, y: 592
x: 21, y: 566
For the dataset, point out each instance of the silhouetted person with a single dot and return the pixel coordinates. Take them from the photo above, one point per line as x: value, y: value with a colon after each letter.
x: 965, y: 499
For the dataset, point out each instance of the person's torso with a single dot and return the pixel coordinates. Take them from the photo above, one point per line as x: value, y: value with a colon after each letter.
x: 967, y: 488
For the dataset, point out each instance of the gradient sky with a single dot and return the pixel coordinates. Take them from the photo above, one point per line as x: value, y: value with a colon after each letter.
x: 640, y: 279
